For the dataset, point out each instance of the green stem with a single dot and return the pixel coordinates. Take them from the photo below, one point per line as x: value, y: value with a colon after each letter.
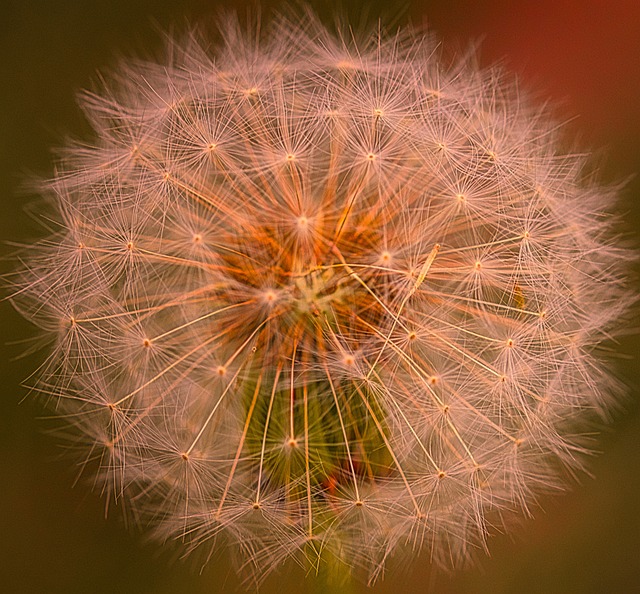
x: 334, y: 576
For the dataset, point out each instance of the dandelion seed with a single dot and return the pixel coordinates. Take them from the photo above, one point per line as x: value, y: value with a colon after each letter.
x: 360, y: 302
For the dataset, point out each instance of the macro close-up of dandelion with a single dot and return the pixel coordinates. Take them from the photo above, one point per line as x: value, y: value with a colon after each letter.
x: 323, y: 295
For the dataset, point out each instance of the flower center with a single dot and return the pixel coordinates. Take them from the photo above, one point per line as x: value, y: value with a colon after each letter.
x: 316, y: 291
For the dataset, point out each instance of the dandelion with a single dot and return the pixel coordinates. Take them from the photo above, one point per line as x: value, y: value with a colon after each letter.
x: 324, y: 297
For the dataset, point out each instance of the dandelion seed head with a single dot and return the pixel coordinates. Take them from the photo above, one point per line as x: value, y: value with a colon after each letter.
x: 319, y: 295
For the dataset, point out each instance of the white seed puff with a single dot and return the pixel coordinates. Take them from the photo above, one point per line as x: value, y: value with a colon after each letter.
x: 324, y: 297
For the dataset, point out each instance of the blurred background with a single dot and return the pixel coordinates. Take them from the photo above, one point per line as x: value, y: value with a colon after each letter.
x: 54, y: 539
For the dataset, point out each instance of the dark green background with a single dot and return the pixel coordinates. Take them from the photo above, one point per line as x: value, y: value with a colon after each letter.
x: 54, y: 538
